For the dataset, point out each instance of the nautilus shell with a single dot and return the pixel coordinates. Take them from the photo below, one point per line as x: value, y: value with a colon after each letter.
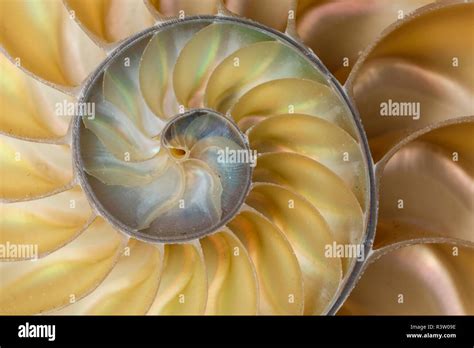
x: 202, y: 157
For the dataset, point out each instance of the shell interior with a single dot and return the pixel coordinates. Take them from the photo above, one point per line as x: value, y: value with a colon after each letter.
x: 166, y: 155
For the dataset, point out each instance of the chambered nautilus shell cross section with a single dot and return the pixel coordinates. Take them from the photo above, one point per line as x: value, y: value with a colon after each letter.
x: 231, y: 157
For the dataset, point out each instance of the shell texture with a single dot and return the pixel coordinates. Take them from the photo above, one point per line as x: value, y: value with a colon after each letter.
x: 186, y: 157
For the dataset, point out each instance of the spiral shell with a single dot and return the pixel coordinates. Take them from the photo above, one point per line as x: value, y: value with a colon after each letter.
x: 213, y: 165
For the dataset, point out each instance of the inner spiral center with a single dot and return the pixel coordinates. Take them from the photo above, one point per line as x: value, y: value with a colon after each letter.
x: 192, y: 181
x: 178, y: 153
